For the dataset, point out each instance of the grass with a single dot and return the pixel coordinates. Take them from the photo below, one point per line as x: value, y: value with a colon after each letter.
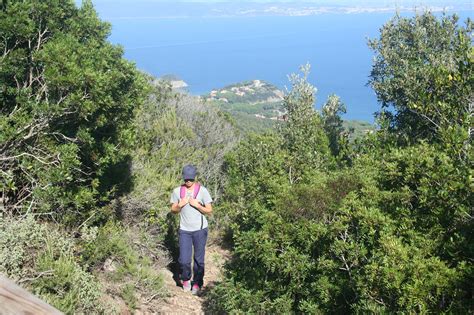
x: 130, y: 266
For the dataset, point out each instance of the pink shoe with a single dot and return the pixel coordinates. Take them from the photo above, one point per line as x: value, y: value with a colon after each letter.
x: 195, y: 289
x: 186, y: 285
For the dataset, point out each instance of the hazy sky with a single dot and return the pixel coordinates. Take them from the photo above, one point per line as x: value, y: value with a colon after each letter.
x: 173, y: 8
x: 325, y: 2
x: 205, y: 8
x: 319, y: 2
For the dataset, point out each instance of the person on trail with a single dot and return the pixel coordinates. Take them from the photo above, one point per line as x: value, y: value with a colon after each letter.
x: 193, y: 202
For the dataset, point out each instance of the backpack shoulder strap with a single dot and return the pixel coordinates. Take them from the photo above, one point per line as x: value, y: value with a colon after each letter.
x: 197, y: 187
x: 182, y: 191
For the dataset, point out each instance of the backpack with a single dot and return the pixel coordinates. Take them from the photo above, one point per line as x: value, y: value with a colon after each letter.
x: 182, y: 190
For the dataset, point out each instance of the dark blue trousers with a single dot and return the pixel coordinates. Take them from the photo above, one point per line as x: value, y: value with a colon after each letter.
x: 188, y: 240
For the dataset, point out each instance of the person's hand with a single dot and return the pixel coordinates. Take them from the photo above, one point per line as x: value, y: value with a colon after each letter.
x: 183, y: 202
x: 194, y: 202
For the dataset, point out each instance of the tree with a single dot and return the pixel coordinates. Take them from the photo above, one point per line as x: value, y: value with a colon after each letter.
x: 423, y: 69
x: 303, y: 133
x: 67, y: 101
x: 332, y: 110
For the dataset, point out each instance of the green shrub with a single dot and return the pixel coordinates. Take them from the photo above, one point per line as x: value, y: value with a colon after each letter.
x: 317, y: 251
x: 20, y: 240
x: 67, y: 107
x: 109, y: 241
x: 43, y: 257
x: 128, y: 295
x: 70, y: 289
x: 115, y: 243
x: 230, y: 297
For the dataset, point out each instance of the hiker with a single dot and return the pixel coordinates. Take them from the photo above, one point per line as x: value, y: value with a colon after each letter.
x: 193, y: 202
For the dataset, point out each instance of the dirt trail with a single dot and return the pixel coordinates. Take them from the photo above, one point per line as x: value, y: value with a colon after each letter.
x: 180, y: 302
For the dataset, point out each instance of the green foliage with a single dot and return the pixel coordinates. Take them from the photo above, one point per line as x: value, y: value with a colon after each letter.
x: 70, y: 288
x: 331, y: 112
x: 64, y: 272
x: 21, y: 238
x: 67, y: 105
x: 303, y: 132
x: 347, y: 238
x: 128, y: 295
x: 233, y: 298
x: 108, y: 241
x: 424, y: 69
x: 392, y: 231
x: 112, y: 245
x: 42, y: 258
x: 259, y: 157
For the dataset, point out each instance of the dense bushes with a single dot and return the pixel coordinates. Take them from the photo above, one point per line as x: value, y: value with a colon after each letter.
x: 390, y: 229
x: 352, y: 242
x: 130, y: 262
x: 67, y: 272
x: 66, y: 107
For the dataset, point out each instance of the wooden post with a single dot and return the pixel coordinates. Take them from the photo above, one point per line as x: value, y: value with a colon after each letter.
x: 16, y: 300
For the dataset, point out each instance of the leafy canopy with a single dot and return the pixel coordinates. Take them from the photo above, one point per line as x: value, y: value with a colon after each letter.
x: 67, y: 104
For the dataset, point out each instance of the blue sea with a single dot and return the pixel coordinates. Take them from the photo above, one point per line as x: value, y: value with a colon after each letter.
x: 210, y: 53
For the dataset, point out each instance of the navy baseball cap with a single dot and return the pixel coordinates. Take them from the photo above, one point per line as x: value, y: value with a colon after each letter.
x: 189, y: 172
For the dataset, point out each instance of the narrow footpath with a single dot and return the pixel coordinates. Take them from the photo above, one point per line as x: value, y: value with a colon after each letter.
x: 180, y: 302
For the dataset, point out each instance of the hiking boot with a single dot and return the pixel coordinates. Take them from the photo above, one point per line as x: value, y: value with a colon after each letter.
x: 195, y: 290
x: 186, y: 285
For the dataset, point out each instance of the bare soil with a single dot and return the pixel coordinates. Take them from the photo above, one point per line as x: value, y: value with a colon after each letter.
x: 180, y: 302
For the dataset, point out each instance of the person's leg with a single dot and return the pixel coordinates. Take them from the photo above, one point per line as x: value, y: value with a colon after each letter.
x: 185, y: 254
x: 199, y: 243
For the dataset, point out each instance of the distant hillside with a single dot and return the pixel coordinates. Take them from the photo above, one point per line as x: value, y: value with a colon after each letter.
x: 255, y: 105
x: 358, y: 128
x: 248, y: 92
x: 258, y: 105
x: 176, y: 82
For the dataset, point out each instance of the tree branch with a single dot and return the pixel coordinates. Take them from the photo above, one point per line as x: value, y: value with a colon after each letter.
x: 26, y: 154
x: 38, y: 275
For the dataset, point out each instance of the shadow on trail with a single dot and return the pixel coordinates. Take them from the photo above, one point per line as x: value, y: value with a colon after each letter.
x: 172, y: 244
x: 209, y: 304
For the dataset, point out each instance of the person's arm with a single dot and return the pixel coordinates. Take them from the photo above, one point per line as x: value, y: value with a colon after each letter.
x: 206, y: 209
x: 175, y: 208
